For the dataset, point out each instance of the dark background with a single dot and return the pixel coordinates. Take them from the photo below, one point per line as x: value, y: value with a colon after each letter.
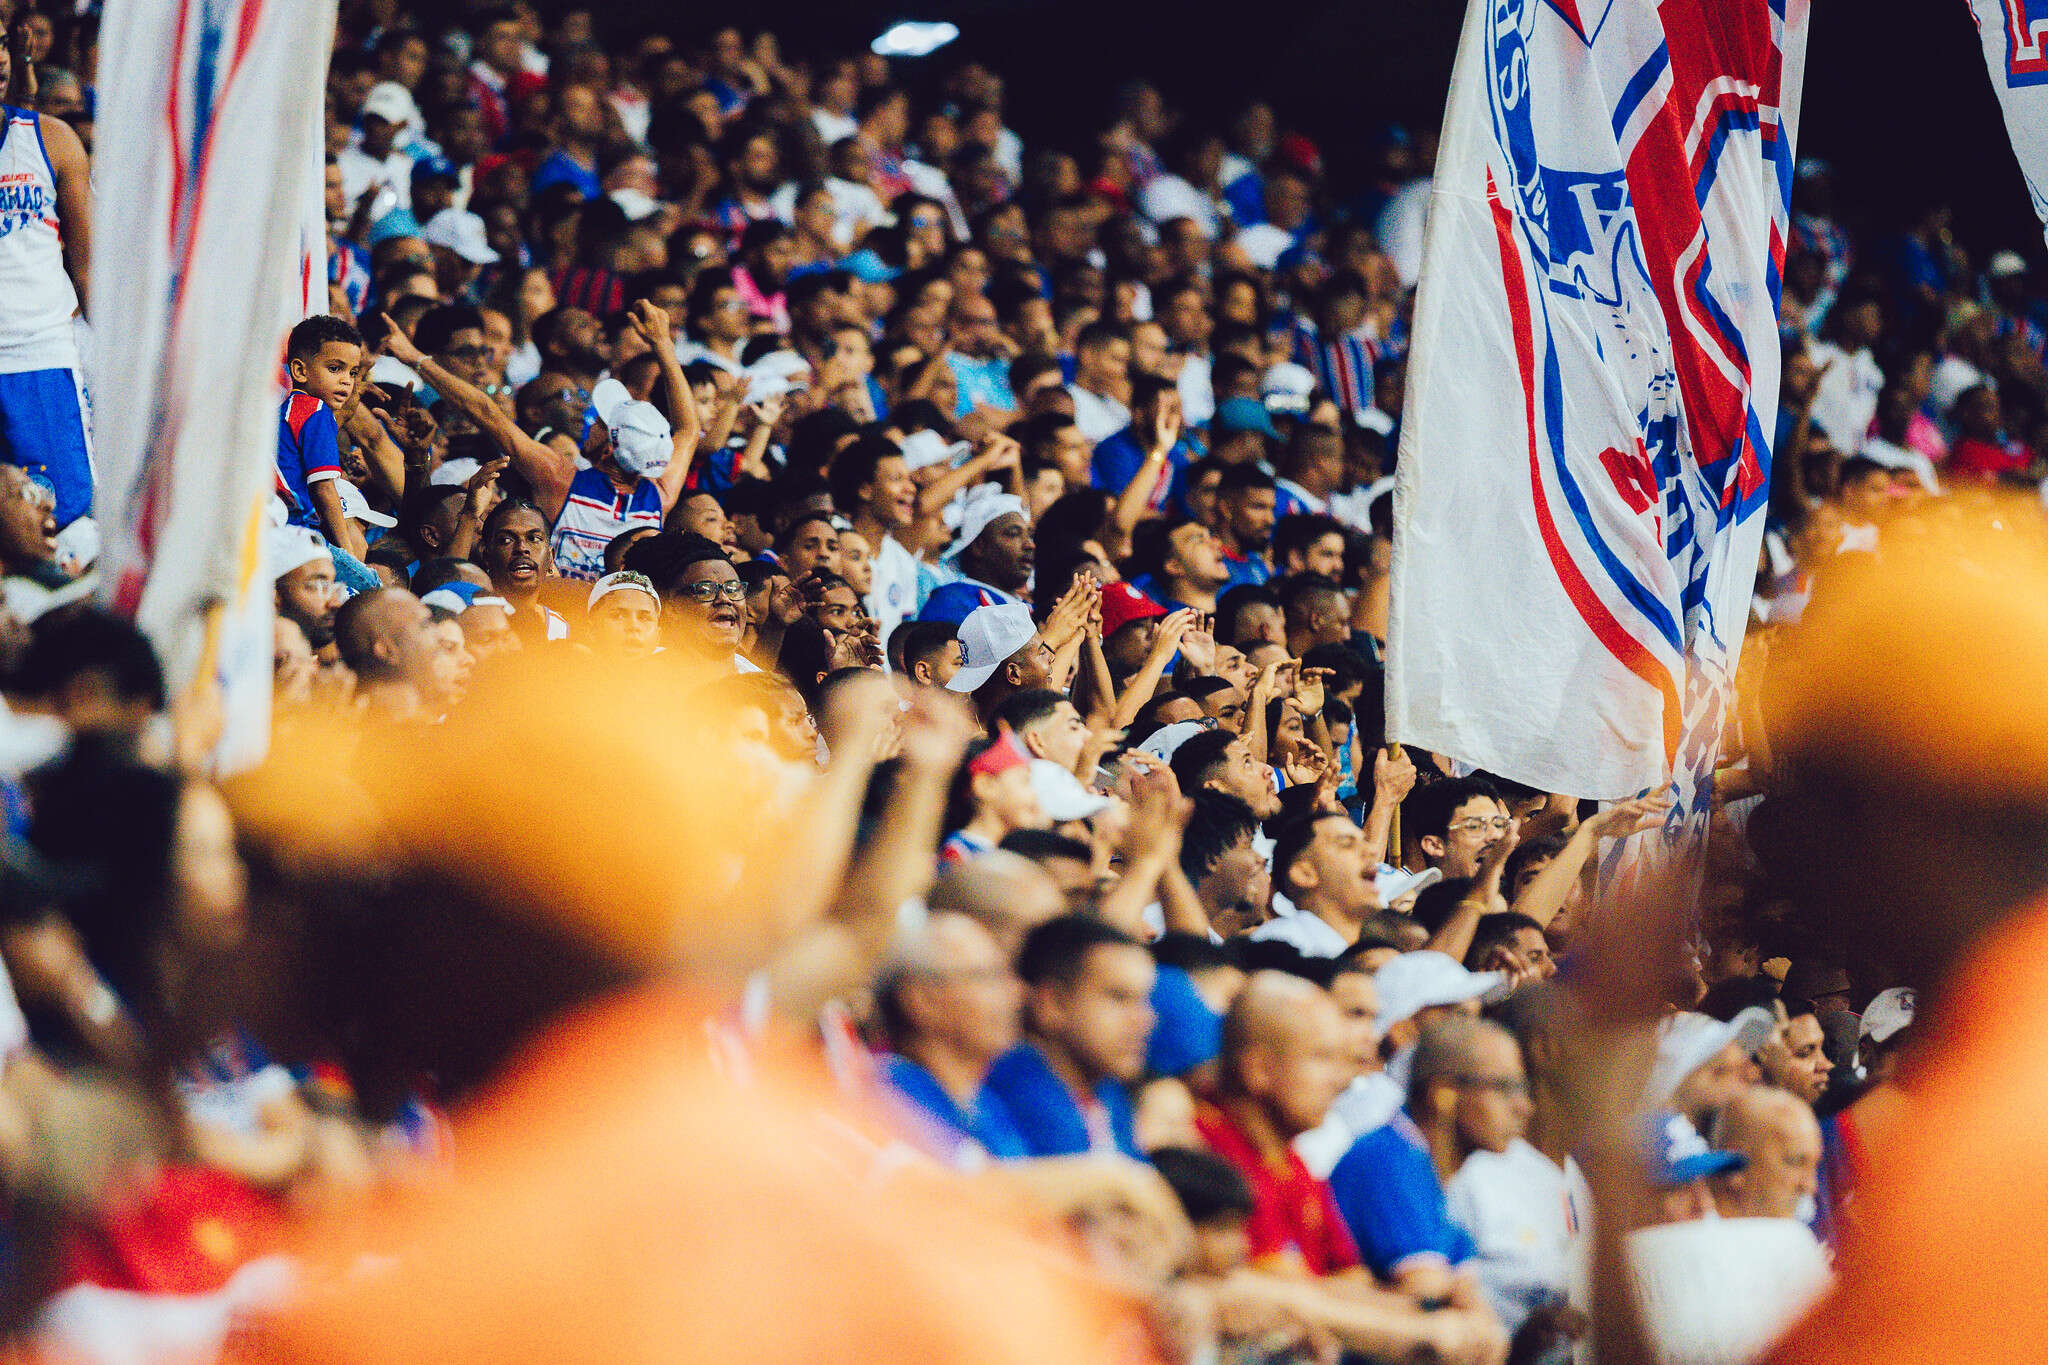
x: 1896, y: 95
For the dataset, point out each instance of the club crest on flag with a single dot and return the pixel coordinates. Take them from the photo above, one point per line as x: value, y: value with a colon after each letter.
x: 2026, y: 42
x: 1606, y: 241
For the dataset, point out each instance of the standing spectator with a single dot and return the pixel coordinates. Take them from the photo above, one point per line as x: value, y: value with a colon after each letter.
x: 45, y: 264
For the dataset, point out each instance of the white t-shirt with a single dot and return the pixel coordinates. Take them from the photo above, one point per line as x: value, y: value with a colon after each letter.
x: 1953, y: 377
x: 893, y: 595
x: 1365, y: 1104
x: 1169, y: 197
x: 1525, y: 1214
x: 360, y: 170
x: 1400, y: 228
x: 1311, y: 935
x: 1846, y: 400
x: 1197, y: 393
x: 1099, y: 418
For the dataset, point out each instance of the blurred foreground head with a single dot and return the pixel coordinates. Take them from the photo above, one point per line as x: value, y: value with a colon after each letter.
x: 429, y: 896
x: 1910, y: 718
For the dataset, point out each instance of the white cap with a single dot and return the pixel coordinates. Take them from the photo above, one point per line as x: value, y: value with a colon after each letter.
x: 979, y: 511
x: 635, y: 204
x: 624, y: 580
x: 1413, y: 982
x: 1061, y: 795
x: 922, y: 449
x: 1262, y: 244
x: 988, y: 637
x: 456, y: 472
x: 778, y: 372
x: 641, y: 436
x: 1165, y: 742
x: 1286, y: 387
x: 1394, y: 883
x: 461, y: 232
x: 1687, y: 1042
x: 2006, y: 264
x: 392, y: 102
x: 356, y: 507
x: 1887, y: 1013
x: 290, y: 547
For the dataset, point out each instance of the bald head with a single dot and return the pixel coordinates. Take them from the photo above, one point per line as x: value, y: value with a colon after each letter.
x: 950, y: 986
x: 1006, y: 893
x: 378, y: 634
x: 1283, y: 1051
x: 1778, y: 1134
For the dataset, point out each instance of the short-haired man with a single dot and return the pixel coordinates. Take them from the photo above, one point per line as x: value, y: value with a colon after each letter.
x: 515, y: 552
x: 1283, y: 1061
x: 1222, y: 762
x: 871, y: 486
x: 1466, y: 1093
x: 1320, y: 862
x: 926, y: 652
x: 1317, y: 612
x: 949, y: 1005
x: 385, y: 638
x: 1102, y: 381
x: 1511, y: 942
x: 1776, y: 1132
x: 1455, y: 823
x: 1796, y: 1059
x: 1048, y: 724
x: 1221, y: 858
x: 1245, y: 499
x: 1188, y: 568
x: 1087, y: 1016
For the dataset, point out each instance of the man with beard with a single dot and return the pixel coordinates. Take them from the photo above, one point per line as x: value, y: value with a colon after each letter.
x: 571, y: 343
x: 516, y: 555
x: 303, y: 570
x: 994, y: 554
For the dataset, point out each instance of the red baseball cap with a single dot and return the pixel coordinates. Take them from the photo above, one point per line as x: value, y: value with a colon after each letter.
x: 1123, y: 604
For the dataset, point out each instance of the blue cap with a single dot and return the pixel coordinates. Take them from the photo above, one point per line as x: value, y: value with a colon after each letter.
x: 865, y: 266
x: 1243, y: 414
x: 1185, y: 1031
x: 434, y: 168
x: 1675, y: 1154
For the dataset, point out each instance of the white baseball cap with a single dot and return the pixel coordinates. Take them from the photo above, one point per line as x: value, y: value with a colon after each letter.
x: 461, y: 232
x: 1061, y: 795
x: 923, y: 449
x: 979, y: 512
x: 640, y: 434
x: 2006, y: 264
x: 291, y: 547
x: 356, y: 507
x: 392, y: 102
x: 1165, y: 742
x: 1687, y: 1042
x: 1887, y: 1013
x: 1394, y: 882
x: 1287, y: 386
x: 778, y: 372
x: 988, y: 637
x: 1413, y: 982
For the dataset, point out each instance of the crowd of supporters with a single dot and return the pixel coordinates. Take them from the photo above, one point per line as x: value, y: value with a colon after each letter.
x: 753, y: 522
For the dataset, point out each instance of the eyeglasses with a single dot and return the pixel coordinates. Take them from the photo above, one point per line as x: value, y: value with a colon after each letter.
x: 711, y: 589
x: 1512, y: 1087
x: 1478, y: 823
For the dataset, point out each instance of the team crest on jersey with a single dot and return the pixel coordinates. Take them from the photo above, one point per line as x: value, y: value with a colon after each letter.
x: 2026, y: 42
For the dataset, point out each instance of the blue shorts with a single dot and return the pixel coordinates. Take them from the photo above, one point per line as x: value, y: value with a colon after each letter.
x: 43, y: 429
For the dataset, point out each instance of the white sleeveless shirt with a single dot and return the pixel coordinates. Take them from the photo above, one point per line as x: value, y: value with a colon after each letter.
x: 36, y: 297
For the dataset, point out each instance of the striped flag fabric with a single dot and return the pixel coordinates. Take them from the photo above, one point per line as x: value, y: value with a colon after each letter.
x: 1586, y: 438
x: 207, y: 150
x: 2014, y: 34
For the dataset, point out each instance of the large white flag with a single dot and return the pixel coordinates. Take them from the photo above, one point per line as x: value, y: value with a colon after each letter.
x: 2015, y: 38
x: 207, y: 150
x: 1585, y: 444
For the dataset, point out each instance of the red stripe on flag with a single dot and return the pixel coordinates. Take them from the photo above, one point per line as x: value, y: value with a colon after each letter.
x: 1592, y: 610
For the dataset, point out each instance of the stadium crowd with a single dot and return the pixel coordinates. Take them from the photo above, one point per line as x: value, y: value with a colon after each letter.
x: 754, y: 519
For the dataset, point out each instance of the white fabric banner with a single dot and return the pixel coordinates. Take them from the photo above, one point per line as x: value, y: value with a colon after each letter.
x: 207, y: 151
x: 1585, y: 444
x: 2015, y: 38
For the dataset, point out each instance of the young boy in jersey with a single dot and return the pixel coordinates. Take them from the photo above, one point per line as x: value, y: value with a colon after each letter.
x: 322, y: 355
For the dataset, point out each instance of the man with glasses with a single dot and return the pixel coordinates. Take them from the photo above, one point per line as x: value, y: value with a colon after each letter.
x: 1466, y: 1093
x: 1457, y: 823
x: 703, y: 596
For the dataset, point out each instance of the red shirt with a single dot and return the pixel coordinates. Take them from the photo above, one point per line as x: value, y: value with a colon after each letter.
x: 1292, y: 1211
x: 1986, y: 458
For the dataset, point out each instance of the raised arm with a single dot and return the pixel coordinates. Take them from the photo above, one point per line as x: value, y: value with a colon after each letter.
x: 653, y: 323
x: 1136, y: 499
x: 1547, y: 891
x: 545, y: 468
